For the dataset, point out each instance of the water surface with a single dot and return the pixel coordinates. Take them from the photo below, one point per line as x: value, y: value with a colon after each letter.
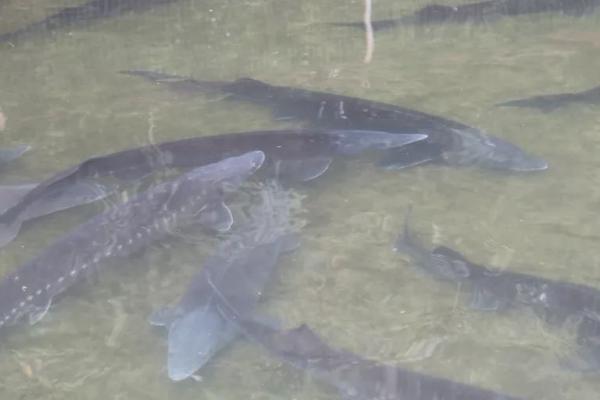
x: 63, y: 95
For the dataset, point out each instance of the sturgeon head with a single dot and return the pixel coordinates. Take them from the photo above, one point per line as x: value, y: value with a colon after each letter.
x: 187, y: 201
x: 472, y: 147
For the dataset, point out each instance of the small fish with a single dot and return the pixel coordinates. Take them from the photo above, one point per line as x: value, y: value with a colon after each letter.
x: 195, y: 197
x: 552, y: 102
x: 80, y: 15
x: 240, y: 269
x: 556, y: 302
x: 479, y: 12
x: 296, y: 155
x: 449, y: 142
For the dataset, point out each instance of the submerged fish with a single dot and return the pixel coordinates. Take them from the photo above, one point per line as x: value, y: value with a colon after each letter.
x: 479, y: 12
x: 240, y: 269
x: 296, y: 155
x: 551, y: 102
x: 194, y: 197
x: 8, y: 155
x: 51, y: 201
x: 78, y: 15
x: 556, y: 302
x: 448, y: 141
x: 354, y: 377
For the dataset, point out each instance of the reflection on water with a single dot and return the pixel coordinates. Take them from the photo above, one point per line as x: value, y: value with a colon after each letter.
x: 62, y: 94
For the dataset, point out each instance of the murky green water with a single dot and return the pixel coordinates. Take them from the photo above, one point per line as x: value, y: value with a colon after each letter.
x: 63, y: 95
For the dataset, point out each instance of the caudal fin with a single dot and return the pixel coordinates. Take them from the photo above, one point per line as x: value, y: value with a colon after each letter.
x: 303, y: 170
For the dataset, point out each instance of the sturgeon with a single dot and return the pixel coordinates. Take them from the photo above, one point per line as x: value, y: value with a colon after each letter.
x: 79, y: 15
x: 479, y: 12
x: 355, y: 377
x: 194, y: 197
x: 449, y: 142
x: 552, y: 102
x: 557, y: 302
x: 294, y: 154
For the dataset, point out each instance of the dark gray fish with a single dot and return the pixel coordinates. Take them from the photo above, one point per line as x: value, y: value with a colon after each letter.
x: 480, y: 12
x: 448, y: 141
x: 10, y: 154
x: 557, y: 302
x: 295, y: 155
x: 354, y: 377
x: 80, y: 15
x: 51, y: 202
x: 552, y: 102
x: 241, y: 269
x: 194, y: 198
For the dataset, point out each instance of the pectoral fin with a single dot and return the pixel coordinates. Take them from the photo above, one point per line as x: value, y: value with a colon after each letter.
x: 217, y: 216
x: 409, y: 156
x: 484, y: 299
x: 448, y: 253
x: 39, y: 312
x: 301, y: 170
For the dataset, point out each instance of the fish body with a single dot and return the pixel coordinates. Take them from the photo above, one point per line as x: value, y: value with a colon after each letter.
x: 552, y: 102
x: 448, y: 141
x: 556, y: 302
x: 194, y: 197
x: 479, y: 12
x: 354, y: 377
x: 79, y: 15
x: 294, y: 154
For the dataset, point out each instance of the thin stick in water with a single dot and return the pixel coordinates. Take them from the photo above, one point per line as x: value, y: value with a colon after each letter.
x: 368, y: 32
